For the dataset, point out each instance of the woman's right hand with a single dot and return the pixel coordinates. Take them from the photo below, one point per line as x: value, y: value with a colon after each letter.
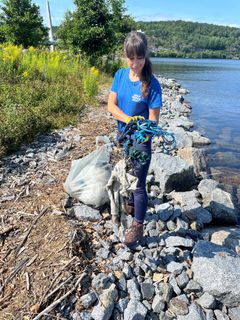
x: 134, y: 118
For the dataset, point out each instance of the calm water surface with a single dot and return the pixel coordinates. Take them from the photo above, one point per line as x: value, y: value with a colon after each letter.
x: 214, y: 87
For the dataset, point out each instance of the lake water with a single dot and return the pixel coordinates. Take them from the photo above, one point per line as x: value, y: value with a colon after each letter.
x: 214, y: 87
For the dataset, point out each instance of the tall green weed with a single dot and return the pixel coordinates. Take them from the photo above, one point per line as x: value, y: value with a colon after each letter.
x: 40, y: 91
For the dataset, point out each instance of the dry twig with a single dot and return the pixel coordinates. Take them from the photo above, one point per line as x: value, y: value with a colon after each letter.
x: 29, y: 231
x: 15, y: 271
x: 56, y: 302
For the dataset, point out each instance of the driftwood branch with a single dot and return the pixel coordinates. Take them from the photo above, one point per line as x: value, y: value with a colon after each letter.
x: 15, y: 271
x: 29, y: 231
x: 56, y: 302
x: 55, y: 278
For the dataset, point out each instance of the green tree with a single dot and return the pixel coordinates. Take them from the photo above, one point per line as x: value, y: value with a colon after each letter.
x: 21, y: 23
x: 95, y: 28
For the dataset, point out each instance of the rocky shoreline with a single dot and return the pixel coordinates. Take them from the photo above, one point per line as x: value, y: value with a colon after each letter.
x: 188, y: 268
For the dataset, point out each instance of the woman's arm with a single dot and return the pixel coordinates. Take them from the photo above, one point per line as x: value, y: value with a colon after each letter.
x: 114, y: 109
x: 154, y: 114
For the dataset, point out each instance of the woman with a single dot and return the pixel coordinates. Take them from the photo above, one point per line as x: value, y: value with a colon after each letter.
x: 136, y: 94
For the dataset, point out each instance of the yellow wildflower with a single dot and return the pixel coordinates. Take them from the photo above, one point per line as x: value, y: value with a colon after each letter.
x: 94, y: 71
x: 25, y: 74
x: 31, y: 49
x: 11, y: 53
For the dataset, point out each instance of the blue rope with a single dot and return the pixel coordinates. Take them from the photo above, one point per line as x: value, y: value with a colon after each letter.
x: 141, y: 131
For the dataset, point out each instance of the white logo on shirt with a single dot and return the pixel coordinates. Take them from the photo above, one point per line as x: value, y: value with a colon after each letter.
x: 136, y: 98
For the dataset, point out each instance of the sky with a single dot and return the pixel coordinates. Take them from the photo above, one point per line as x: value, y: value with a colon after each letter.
x: 222, y: 12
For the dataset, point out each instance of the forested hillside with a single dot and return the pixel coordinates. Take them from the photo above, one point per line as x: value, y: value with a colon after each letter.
x: 192, y: 39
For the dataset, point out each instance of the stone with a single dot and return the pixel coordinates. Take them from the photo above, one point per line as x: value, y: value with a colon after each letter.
x: 182, y: 279
x: 172, y: 173
x: 191, y: 207
x: 210, y: 314
x: 183, y: 139
x: 206, y: 186
x: 164, y: 211
x: 175, y: 241
x: 175, y: 267
x: 101, y: 281
x: 125, y: 255
x: 103, y: 253
x: 207, y: 301
x: 158, y: 304
x: 171, y: 226
x: 165, y: 290
x: 133, y: 289
x: 197, y: 158
x: 220, y: 204
x: 234, y: 313
x: 122, y: 283
x: 88, y: 299
x: 116, y: 315
x: 173, y: 283
x: 220, y: 315
x: 178, y: 306
x: 121, y: 305
x: 193, y: 287
x: 198, y: 139
x: 157, y: 277
x: 86, y: 213
x: 135, y: 310
x: 127, y: 270
x: 103, y: 310
x: 195, y: 313
x: 85, y: 315
x: 217, y: 270
x: 226, y: 236
x: 147, y: 290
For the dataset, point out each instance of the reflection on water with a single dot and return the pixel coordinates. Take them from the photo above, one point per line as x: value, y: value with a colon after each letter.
x: 214, y: 87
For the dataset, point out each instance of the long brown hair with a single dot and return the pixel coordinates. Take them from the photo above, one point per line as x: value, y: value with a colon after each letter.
x: 136, y: 44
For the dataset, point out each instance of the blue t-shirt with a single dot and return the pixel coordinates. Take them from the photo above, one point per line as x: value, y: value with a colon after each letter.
x: 129, y: 96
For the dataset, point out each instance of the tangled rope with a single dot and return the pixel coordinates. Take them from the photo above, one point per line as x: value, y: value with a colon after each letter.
x: 141, y: 131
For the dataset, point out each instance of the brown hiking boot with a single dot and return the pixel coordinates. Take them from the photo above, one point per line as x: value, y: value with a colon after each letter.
x: 134, y: 234
x: 128, y: 209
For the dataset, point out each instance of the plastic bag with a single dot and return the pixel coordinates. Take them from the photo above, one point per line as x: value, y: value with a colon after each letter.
x: 88, y: 177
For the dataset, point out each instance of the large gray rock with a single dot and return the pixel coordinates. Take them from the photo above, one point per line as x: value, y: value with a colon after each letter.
x: 196, y: 158
x: 191, y: 207
x: 183, y: 140
x: 182, y: 122
x: 217, y: 270
x: 176, y: 241
x: 103, y: 310
x: 198, y: 139
x: 225, y: 236
x: 220, y: 204
x: 135, y: 310
x: 173, y: 173
x: 234, y: 313
x: 206, y: 186
x: 180, y: 107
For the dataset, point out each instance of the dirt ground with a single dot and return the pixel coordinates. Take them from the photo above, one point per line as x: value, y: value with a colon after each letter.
x: 43, y: 251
